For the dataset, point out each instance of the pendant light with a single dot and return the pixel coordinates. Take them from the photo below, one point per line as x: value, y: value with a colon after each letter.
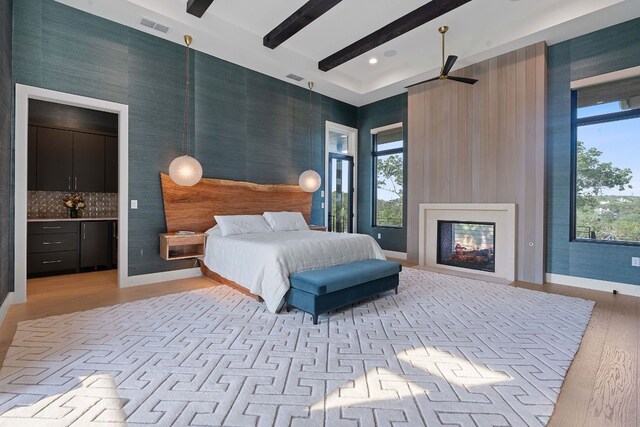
x: 310, y: 180
x: 186, y: 170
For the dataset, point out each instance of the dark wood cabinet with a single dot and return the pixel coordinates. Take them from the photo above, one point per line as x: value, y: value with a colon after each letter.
x: 54, y: 159
x: 88, y: 162
x: 111, y: 164
x: 32, y: 164
x: 95, y: 244
x: 52, y: 247
x: 114, y: 243
x: 70, y: 246
x: 66, y: 160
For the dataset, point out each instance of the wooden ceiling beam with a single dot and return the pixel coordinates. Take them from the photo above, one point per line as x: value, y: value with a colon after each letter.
x: 198, y: 7
x: 309, y: 12
x: 430, y: 11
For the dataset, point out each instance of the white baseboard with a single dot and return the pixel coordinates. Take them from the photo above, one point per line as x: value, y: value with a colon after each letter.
x: 598, y: 285
x: 147, y: 279
x: 4, y: 308
x: 394, y: 254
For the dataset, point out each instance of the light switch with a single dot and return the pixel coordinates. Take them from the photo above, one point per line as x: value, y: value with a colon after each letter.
x: 322, y: 193
x: 134, y: 204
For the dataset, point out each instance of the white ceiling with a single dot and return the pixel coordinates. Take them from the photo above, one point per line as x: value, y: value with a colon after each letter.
x: 233, y: 30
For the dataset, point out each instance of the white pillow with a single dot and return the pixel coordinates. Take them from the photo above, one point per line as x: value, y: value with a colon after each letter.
x: 242, y: 224
x: 214, y: 231
x: 286, y: 221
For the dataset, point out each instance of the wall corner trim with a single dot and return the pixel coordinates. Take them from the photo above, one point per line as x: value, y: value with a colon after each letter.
x: 594, y: 284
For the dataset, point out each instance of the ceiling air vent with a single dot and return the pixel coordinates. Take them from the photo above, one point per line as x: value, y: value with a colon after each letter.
x: 154, y: 25
x: 295, y: 77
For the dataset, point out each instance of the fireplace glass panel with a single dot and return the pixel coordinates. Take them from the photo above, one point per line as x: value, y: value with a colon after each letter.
x: 467, y: 245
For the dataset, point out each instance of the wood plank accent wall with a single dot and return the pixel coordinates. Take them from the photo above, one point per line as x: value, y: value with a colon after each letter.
x: 484, y: 144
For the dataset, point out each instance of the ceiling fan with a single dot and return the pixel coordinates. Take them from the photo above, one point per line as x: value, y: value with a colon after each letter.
x: 446, y: 66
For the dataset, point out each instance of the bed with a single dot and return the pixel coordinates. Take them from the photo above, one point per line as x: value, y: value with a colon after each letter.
x: 263, y: 262
x: 258, y: 264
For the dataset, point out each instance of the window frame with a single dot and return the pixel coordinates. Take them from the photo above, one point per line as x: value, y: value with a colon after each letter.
x: 374, y: 177
x: 575, y: 124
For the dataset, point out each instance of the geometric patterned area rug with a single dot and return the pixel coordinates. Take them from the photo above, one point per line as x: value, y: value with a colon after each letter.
x: 444, y: 351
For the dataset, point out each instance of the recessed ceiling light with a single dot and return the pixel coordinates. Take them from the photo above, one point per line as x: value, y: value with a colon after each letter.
x: 373, y: 61
x: 390, y: 53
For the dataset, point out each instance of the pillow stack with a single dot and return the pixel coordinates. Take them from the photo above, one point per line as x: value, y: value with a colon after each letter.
x: 229, y: 225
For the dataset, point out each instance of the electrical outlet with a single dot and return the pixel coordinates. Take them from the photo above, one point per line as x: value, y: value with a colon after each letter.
x: 134, y: 204
x: 322, y: 205
x: 141, y: 252
x: 379, y: 236
x: 635, y: 261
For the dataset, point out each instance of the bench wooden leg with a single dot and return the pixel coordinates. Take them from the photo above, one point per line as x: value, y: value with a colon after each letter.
x: 396, y: 290
x: 315, y: 319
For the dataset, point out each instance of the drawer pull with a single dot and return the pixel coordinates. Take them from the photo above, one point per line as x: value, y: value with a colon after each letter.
x: 51, y: 243
x: 51, y: 228
x: 52, y: 262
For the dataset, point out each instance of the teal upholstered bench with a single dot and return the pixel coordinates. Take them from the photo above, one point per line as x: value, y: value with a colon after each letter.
x: 325, y: 289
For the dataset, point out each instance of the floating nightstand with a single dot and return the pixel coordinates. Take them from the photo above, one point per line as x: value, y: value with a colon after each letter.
x: 317, y: 227
x: 182, y: 246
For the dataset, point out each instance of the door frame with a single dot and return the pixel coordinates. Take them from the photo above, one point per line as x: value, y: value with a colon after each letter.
x: 353, y: 133
x: 23, y: 94
x: 351, y: 192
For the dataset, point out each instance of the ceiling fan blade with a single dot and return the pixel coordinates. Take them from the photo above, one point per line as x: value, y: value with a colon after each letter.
x: 424, y: 81
x: 463, y: 80
x: 449, y: 64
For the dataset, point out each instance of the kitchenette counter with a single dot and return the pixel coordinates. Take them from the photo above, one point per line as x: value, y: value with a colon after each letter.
x: 106, y: 218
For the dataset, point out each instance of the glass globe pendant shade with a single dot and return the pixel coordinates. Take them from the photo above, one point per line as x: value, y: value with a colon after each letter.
x: 309, y: 181
x: 185, y: 170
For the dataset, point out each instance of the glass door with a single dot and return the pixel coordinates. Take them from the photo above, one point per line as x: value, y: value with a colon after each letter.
x: 341, y: 192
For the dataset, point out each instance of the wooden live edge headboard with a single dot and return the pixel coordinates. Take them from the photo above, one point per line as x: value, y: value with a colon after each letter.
x: 193, y: 208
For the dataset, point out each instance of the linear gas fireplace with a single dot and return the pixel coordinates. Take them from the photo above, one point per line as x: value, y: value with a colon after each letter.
x: 467, y: 244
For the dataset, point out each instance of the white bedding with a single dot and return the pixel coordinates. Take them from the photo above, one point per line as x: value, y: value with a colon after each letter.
x: 262, y: 262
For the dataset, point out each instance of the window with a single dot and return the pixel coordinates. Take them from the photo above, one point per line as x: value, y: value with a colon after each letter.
x: 388, y: 173
x: 606, y: 138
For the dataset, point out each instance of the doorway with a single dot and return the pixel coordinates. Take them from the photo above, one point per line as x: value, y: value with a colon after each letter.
x: 341, y: 172
x: 25, y: 94
x: 341, y: 190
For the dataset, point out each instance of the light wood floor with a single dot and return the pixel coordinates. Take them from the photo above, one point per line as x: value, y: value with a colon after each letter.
x: 601, y: 387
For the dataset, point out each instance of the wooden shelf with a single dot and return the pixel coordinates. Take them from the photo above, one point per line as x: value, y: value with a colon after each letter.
x: 182, y: 246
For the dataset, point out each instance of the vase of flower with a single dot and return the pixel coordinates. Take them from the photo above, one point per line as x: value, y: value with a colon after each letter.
x: 74, y: 203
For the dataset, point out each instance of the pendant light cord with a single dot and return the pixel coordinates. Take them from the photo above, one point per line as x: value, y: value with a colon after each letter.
x: 310, y: 118
x: 185, y: 134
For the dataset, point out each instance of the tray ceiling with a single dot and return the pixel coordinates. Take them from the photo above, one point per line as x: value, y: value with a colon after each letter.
x: 233, y: 30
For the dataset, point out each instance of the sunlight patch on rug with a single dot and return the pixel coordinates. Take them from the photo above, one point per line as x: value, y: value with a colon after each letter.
x: 445, y: 350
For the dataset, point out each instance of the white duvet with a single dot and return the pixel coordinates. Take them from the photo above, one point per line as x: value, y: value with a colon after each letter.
x: 262, y: 262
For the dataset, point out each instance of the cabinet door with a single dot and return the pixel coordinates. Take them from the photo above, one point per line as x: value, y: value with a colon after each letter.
x: 88, y: 162
x: 94, y: 244
x: 114, y: 243
x: 111, y: 165
x: 54, y: 159
x: 32, y: 152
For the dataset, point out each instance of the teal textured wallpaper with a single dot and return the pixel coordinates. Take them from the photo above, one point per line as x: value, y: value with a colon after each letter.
x: 245, y: 125
x: 6, y: 152
x: 604, y: 51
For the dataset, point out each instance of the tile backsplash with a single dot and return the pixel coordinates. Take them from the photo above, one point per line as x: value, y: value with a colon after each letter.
x: 48, y: 204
